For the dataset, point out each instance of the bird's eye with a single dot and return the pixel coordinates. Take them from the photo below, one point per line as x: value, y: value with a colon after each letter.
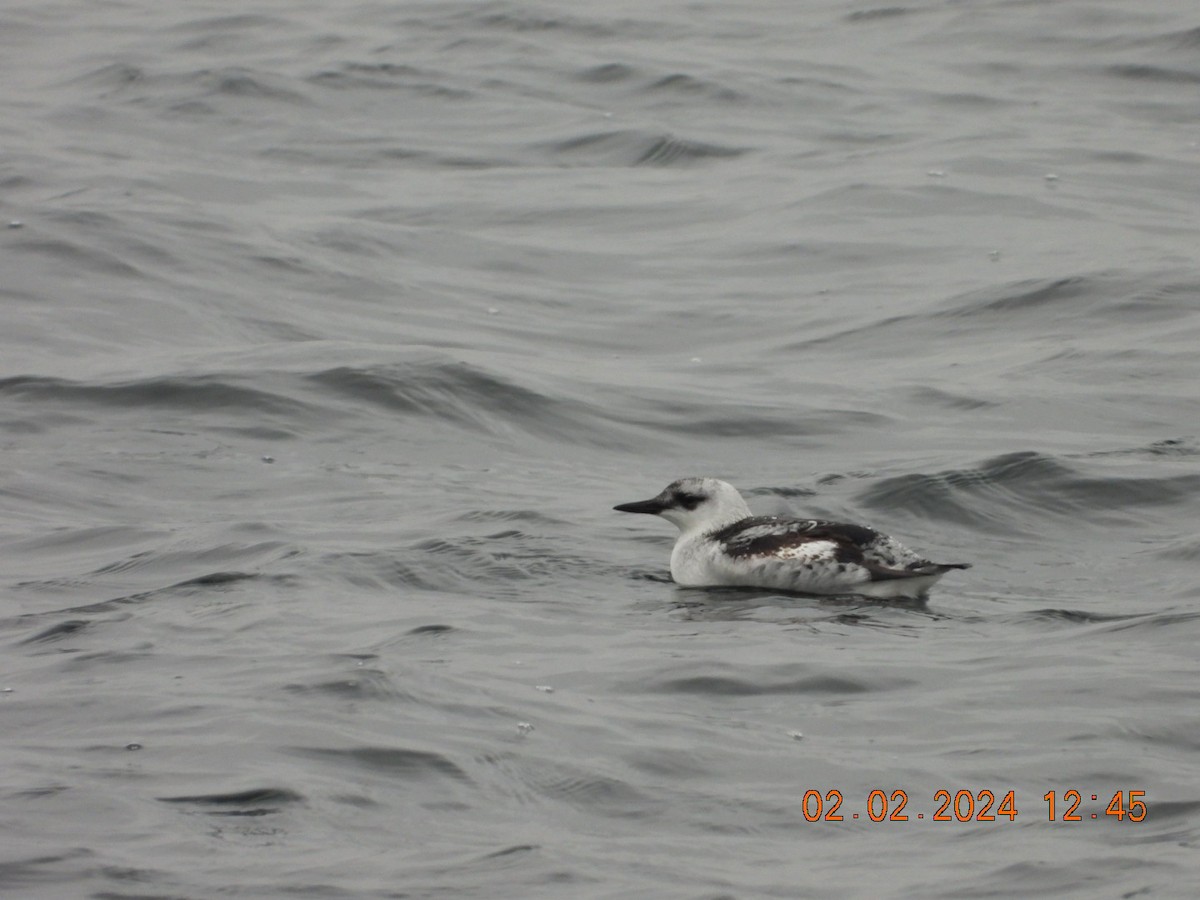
x: 689, y: 501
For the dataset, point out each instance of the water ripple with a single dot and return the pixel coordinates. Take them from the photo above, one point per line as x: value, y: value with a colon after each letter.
x: 1000, y: 492
x: 636, y: 148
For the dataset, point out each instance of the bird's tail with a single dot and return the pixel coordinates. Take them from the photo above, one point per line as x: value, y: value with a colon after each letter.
x: 926, y: 568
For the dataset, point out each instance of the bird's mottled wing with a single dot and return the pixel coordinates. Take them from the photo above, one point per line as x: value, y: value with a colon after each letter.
x: 787, y: 538
x: 890, y: 553
x: 887, y: 558
x: 805, y: 540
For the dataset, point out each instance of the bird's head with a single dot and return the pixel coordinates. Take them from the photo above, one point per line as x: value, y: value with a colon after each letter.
x: 692, y: 503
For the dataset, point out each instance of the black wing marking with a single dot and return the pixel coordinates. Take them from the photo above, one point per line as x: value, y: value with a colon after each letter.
x: 767, y: 535
x: 882, y: 557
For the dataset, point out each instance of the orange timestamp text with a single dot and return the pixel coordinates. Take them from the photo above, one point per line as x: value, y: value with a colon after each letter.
x: 972, y: 806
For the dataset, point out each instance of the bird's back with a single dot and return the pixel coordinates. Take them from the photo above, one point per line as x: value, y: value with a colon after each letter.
x: 806, y: 556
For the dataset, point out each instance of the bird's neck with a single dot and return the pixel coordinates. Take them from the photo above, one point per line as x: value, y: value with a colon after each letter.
x: 724, y: 518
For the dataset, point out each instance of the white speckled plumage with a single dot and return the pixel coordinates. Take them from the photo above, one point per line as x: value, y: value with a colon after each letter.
x: 722, y: 544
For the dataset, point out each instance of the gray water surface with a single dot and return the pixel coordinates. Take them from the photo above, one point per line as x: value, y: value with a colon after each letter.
x: 332, y: 332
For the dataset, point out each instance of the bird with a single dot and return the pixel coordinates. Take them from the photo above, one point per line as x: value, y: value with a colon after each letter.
x: 721, y: 543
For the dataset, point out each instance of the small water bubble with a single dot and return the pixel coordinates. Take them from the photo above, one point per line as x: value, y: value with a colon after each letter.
x: 16, y: 223
x: 544, y: 688
x: 268, y: 459
x: 492, y: 311
x: 1050, y: 176
x: 795, y: 735
x: 936, y: 173
x: 6, y: 690
x: 133, y: 746
x: 994, y: 255
x: 524, y: 727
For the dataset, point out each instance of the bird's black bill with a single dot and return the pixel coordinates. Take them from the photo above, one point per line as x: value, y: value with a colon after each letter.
x: 653, y: 506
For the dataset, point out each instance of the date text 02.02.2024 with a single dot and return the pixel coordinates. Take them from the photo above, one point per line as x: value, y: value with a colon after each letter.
x: 971, y: 806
